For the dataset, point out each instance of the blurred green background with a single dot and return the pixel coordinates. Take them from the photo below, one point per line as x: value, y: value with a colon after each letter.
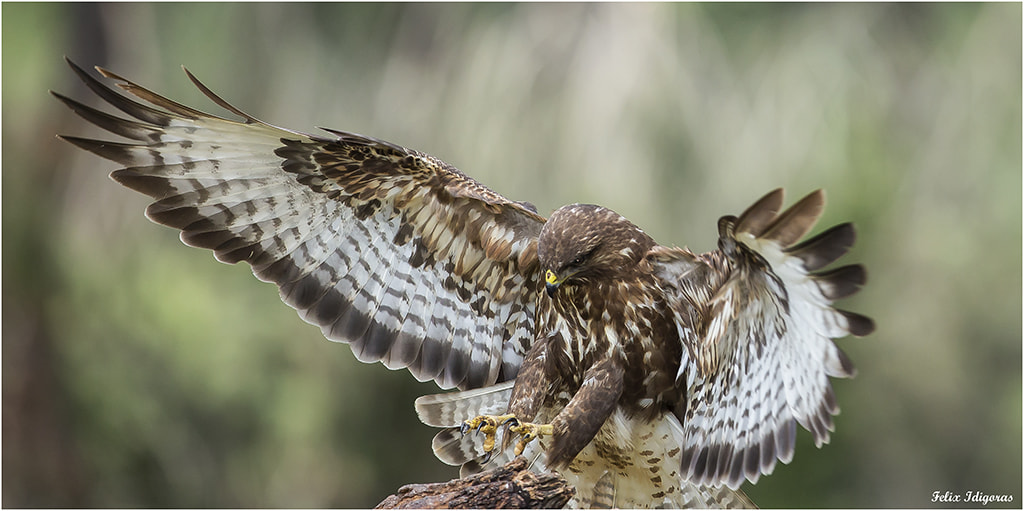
x: 139, y: 372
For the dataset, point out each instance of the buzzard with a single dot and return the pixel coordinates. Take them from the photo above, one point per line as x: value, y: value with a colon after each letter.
x: 647, y: 375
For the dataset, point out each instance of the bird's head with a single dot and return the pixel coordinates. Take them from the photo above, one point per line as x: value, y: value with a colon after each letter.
x: 586, y: 243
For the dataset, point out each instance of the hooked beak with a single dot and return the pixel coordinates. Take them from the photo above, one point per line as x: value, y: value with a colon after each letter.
x: 551, y: 283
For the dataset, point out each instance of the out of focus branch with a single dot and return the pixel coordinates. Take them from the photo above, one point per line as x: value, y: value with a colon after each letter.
x: 512, y: 486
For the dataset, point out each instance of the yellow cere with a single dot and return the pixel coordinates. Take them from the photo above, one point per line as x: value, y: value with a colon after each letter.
x: 550, y: 277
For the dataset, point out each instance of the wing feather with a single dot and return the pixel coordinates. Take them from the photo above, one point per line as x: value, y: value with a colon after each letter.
x: 757, y: 323
x: 390, y: 250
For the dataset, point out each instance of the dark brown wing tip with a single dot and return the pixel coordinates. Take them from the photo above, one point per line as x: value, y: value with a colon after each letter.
x: 759, y: 215
x: 219, y: 100
x: 797, y: 221
x: 119, y: 126
x: 114, y: 151
x: 82, y: 143
x: 841, y: 282
x: 153, y: 186
x: 139, y: 111
x: 825, y: 248
x: 76, y: 68
x: 110, y: 74
x: 849, y: 369
x: 857, y: 324
x: 161, y: 101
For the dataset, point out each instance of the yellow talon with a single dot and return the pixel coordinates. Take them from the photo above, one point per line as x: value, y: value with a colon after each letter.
x: 488, y: 425
x: 528, y: 431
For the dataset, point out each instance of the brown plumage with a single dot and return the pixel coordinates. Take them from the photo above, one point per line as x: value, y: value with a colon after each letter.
x: 664, y: 377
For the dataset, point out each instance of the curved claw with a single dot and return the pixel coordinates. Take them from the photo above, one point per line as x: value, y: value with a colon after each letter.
x: 466, y: 427
x: 488, y: 425
x: 528, y: 432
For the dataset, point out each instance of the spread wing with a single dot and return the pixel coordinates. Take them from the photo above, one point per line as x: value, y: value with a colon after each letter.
x: 390, y: 250
x: 757, y: 326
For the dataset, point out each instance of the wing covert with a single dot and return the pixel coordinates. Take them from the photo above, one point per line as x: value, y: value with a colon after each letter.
x: 757, y: 326
x: 400, y: 255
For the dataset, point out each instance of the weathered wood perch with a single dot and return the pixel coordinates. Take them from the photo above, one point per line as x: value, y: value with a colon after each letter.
x: 512, y: 486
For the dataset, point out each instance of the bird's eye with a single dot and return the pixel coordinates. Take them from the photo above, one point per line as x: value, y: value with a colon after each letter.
x: 579, y: 260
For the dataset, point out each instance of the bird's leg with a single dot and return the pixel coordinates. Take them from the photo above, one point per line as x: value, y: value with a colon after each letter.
x: 488, y: 425
x: 526, y: 398
x: 585, y: 414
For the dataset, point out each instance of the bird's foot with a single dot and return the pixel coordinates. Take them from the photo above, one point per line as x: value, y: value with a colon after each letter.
x: 528, y: 431
x: 488, y: 425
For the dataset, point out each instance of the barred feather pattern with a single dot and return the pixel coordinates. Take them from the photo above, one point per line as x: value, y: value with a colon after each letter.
x: 646, y: 454
x: 392, y: 251
x: 757, y: 323
x: 448, y: 411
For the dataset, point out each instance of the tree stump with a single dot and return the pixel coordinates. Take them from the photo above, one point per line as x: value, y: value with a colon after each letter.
x: 512, y: 486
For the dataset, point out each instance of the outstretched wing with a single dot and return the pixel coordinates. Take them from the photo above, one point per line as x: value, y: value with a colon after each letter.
x: 757, y: 326
x: 390, y: 250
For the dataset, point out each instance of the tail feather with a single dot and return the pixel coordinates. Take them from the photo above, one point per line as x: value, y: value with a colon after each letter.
x: 602, y: 496
x: 456, y: 449
x: 467, y: 450
x: 533, y: 456
x: 450, y: 409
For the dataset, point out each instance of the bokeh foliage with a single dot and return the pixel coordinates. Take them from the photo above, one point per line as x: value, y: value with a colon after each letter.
x: 138, y: 372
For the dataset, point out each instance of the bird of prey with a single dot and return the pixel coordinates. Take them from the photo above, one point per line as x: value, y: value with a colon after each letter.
x: 647, y: 375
